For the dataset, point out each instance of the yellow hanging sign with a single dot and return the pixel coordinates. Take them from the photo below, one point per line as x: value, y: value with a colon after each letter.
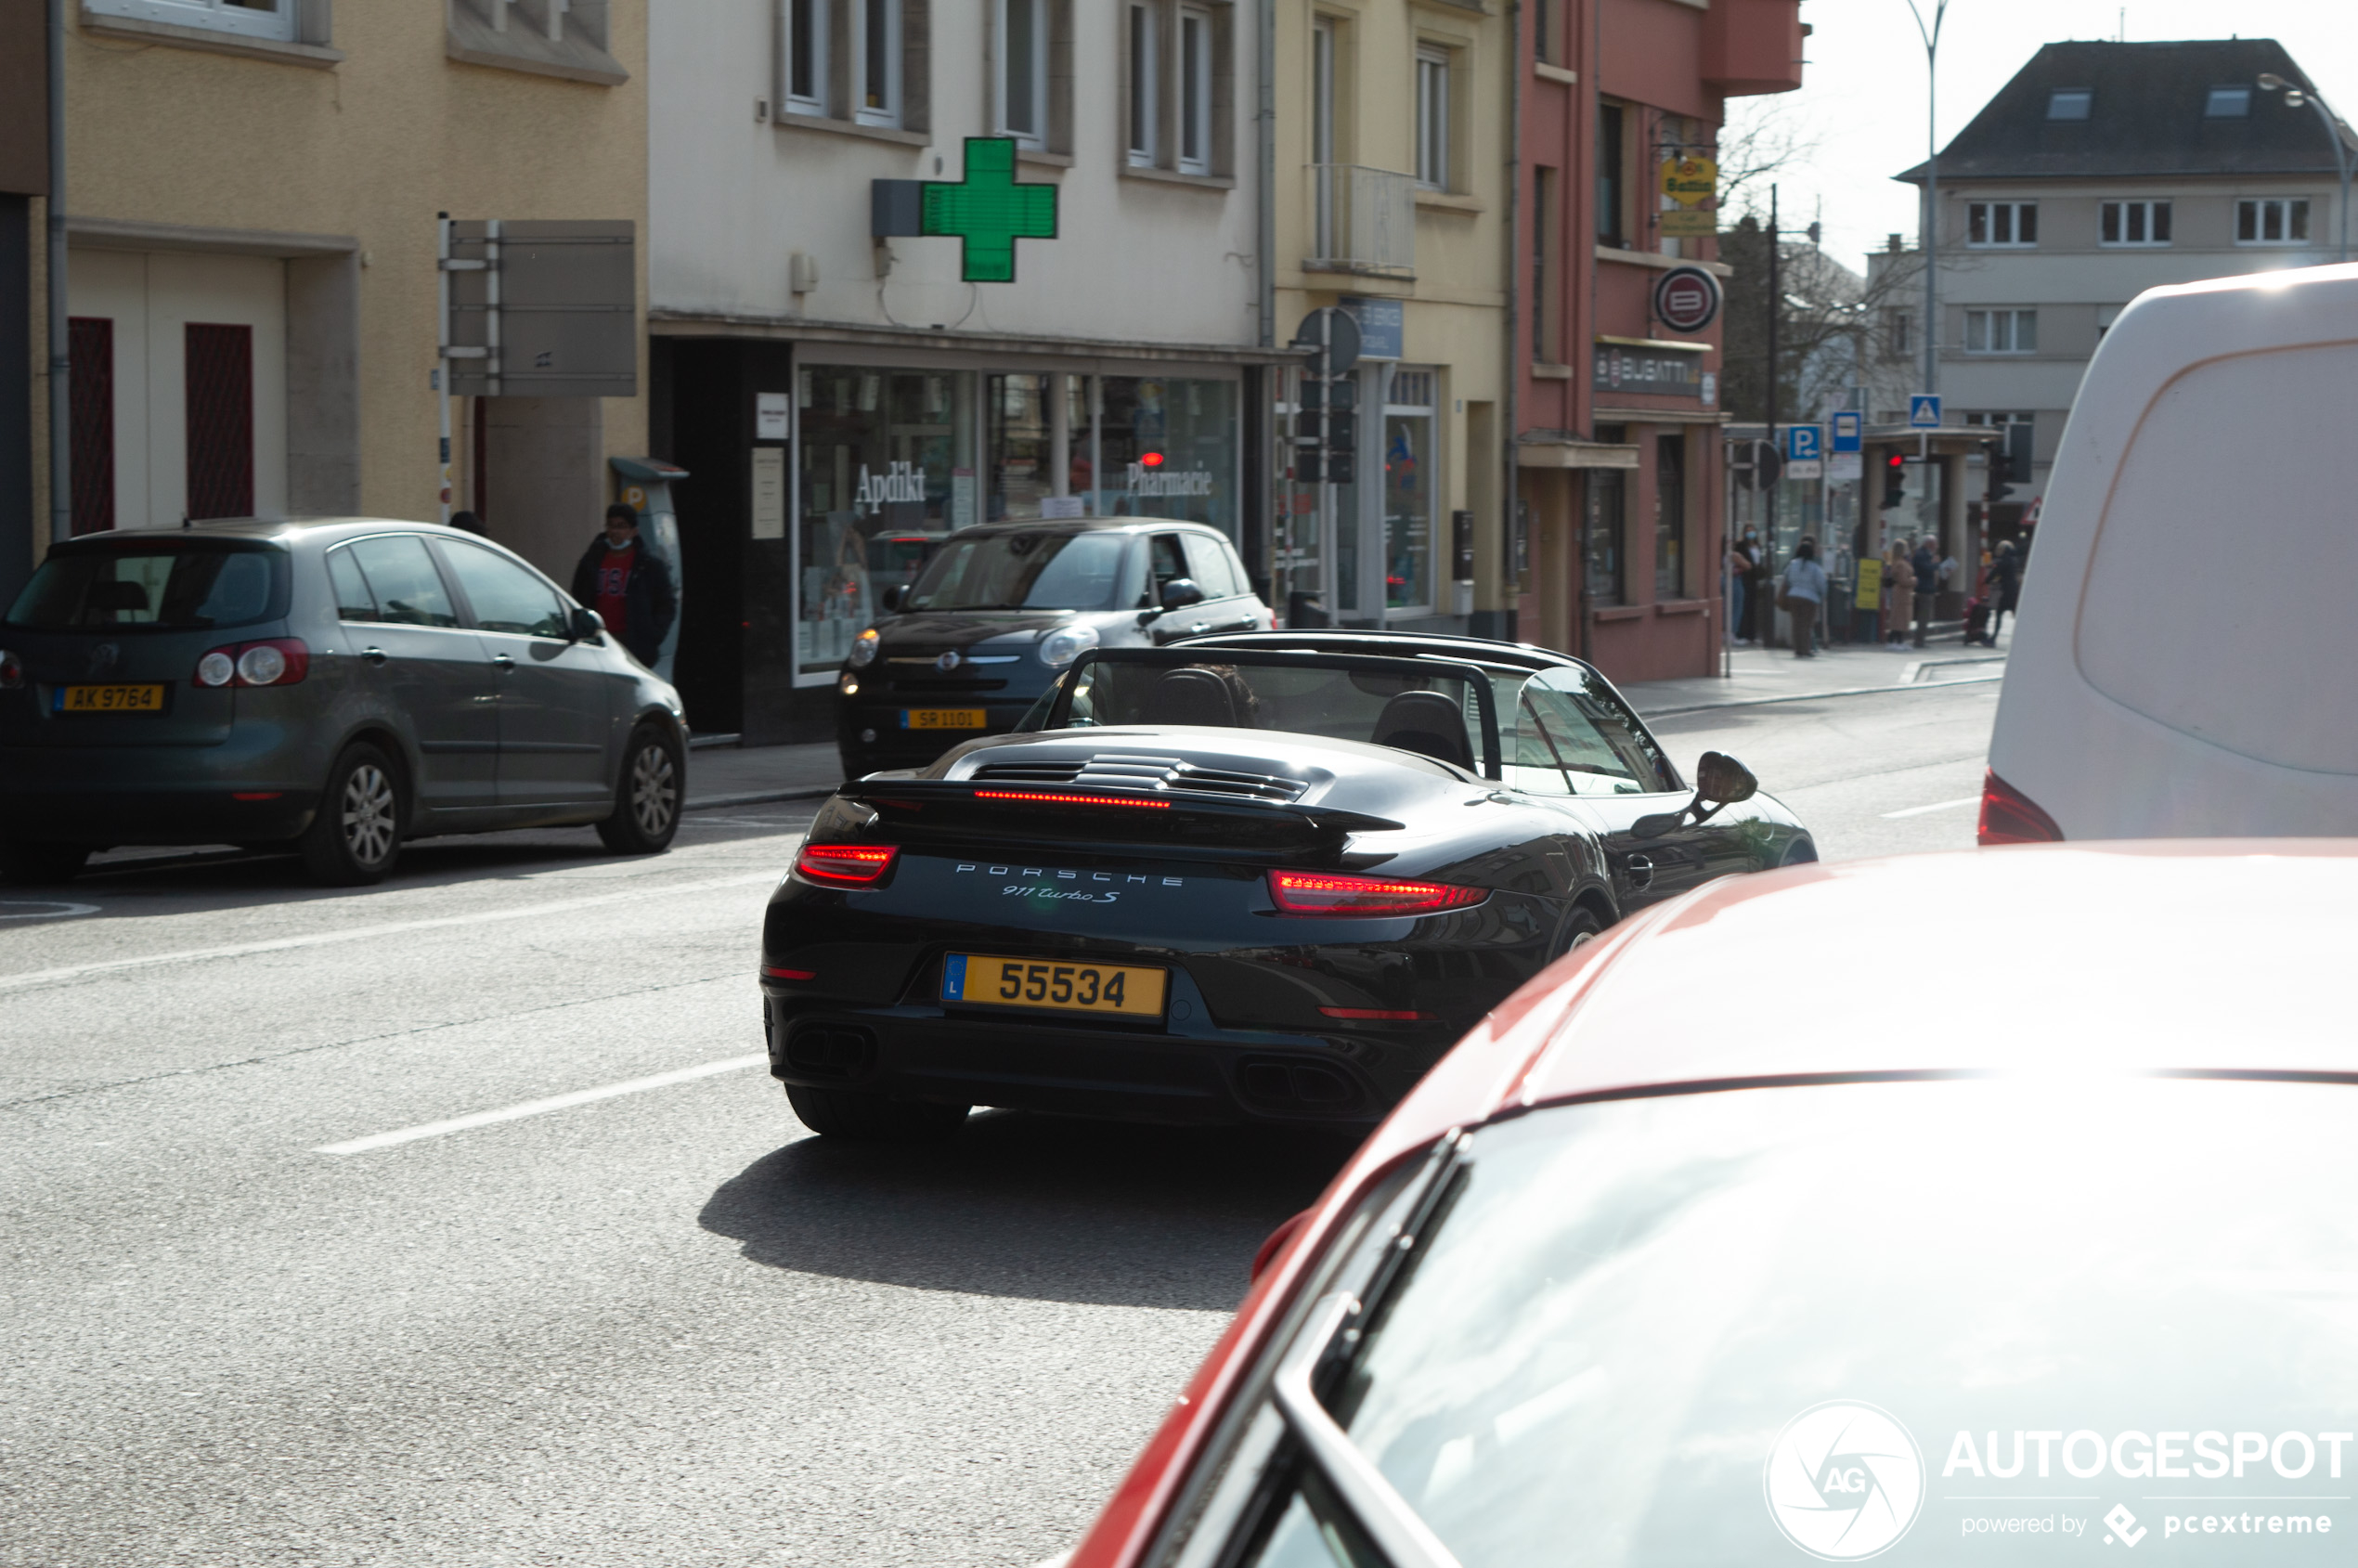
x: 1689, y: 189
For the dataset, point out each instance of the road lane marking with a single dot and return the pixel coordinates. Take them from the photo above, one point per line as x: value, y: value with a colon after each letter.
x: 362, y: 933
x: 1935, y: 806
x: 537, y: 1107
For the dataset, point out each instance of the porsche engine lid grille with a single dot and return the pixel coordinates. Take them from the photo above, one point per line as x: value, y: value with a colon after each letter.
x: 1109, y: 769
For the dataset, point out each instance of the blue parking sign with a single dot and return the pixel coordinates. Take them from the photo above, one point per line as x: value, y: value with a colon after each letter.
x: 1923, y: 411
x: 1848, y: 428
x: 1803, y: 443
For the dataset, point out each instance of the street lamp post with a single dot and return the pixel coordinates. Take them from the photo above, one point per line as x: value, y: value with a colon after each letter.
x: 2293, y: 97
x: 1929, y: 235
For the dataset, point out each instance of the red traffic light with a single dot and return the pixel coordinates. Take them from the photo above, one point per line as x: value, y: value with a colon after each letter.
x: 1894, y: 460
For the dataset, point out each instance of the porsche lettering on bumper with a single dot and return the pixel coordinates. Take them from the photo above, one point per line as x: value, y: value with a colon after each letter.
x: 1047, y: 873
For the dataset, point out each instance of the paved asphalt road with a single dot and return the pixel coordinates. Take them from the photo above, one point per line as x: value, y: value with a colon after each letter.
x: 660, y: 1327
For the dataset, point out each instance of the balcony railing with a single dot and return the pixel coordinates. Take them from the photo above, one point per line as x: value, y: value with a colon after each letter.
x: 1365, y: 221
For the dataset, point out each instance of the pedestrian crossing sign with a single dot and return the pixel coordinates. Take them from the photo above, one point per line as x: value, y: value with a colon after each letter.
x: 1923, y: 411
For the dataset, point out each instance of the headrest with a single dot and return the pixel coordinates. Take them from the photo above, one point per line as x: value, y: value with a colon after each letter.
x: 1189, y: 697
x: 1426, y: 724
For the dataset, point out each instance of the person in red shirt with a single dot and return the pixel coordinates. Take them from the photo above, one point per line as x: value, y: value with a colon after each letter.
x: 628, y: 585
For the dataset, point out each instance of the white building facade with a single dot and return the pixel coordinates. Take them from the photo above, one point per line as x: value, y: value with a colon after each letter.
x: 839, y: 397
x: 2102, y: 170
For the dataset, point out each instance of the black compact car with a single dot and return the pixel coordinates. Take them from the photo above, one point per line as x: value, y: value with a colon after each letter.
x: 331, y: 686
x: 1000, y: 610
x: 1266, y: 878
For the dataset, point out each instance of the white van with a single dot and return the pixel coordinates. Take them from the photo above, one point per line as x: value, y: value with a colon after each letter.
x: 2185, y: 662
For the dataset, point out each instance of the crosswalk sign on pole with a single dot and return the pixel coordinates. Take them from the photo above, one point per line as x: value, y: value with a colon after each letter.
x: 1923, y: 410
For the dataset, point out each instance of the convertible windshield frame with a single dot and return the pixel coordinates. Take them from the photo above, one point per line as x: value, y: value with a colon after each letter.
x: 1180, y: 656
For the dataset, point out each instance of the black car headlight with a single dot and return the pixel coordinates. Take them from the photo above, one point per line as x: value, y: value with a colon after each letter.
x: 863, y: 649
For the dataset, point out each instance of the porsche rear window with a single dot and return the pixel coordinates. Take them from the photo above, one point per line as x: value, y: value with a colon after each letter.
x: 198, y: 585
x: 1950, y: 1323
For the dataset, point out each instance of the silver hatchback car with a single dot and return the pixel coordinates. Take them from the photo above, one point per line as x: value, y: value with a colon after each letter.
x: 334, y: 687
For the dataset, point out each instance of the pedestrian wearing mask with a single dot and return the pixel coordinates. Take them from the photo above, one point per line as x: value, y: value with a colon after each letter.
x: 628, y: 585
x: 1802, y: 594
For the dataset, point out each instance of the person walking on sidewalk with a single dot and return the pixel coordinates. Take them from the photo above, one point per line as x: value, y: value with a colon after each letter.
x: 1926, y: 564
x: 1802, y: 593
x: 1899, y: 593
x: 1741, y: 561
x: 2005, y: 587
x: 628, y: 585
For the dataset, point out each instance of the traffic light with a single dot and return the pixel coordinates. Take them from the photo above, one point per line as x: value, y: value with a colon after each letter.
x: 1895, y: 481
x: 2020, y: 452
x: 1993, y: 454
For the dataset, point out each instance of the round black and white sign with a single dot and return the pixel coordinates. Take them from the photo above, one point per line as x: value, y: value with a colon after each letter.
x: 1687, y: 299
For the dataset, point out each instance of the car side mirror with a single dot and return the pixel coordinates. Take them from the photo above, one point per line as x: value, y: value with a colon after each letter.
x: 587, y: 623
x: 1723, y: 781
x: 892, y: 598
x: 1179, y: 592
x: 1720, y: 780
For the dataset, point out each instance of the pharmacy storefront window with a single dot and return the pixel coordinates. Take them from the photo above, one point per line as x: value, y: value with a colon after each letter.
x: 1168, y: 449
x: 887, y: 467
x: 1409, y: 487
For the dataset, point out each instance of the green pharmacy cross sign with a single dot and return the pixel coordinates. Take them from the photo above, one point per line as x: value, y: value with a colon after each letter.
x: 987, y: 211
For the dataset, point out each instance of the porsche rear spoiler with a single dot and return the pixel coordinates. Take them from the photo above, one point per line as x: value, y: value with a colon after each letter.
x: 921, y: 808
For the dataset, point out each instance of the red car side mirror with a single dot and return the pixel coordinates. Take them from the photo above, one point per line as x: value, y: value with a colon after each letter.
x: 1276, y: 1244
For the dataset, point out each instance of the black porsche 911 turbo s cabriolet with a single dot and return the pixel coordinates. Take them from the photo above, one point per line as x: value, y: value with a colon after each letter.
x: 1262, y: 877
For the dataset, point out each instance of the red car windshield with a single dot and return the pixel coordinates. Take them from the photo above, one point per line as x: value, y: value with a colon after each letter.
x: 1932, y: 1323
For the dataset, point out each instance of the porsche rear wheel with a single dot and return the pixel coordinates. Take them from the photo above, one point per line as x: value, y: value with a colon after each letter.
x: 1582, y: 929
x: 847, y: 1114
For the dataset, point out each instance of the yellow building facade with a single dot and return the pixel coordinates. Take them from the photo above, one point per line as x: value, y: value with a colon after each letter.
x: 252, y: 188
x: 1391, y: 195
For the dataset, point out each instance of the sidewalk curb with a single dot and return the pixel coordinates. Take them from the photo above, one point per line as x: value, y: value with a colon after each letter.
x: 761, y: 798
x: 1819, y: 696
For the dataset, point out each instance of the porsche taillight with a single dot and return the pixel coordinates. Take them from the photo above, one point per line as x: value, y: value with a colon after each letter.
x: 844, y: 865
x: 2008, y: 816
x: 1325, y: 892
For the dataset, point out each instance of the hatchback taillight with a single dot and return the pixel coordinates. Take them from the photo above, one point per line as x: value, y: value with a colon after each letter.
x: 845, y: 864
x: 1323, y: 892
x: 2008, y: 816
x: 281, y: 661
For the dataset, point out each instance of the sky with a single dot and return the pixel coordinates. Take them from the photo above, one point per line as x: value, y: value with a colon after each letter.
x: 1862, y: 98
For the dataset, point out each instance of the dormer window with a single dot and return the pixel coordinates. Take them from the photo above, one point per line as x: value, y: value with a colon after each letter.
x: 2228, y: 103
x: 2070, y: 103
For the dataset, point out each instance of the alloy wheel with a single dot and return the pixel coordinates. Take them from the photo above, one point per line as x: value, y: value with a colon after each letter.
x: 368, y: 814
x: 654, y: 790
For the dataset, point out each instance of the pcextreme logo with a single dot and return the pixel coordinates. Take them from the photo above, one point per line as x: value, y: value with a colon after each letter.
x: 1844, y: 1480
